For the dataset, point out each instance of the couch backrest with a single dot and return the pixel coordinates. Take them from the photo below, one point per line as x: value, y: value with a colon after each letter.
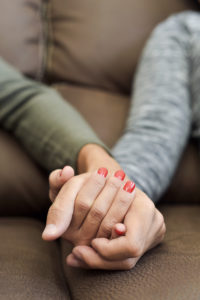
x: 88, y: 43
x: 21, y: 35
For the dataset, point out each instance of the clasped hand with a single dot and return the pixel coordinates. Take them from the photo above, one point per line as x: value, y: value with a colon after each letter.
x: 86, y: 211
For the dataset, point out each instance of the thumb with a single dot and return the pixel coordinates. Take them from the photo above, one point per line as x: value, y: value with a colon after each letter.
x: 58, y: 221
x: 56, y: 180
x: 61, y: 211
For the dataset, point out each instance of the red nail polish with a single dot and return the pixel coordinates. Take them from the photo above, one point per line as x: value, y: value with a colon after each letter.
x: 103, y: 172
x: 120, y: 174
x: 129, y: 186
x: 118, y: 232
x: 61, y: 172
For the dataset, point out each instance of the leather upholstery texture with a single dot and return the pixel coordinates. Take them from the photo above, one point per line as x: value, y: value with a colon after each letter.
x: 30, y: 268
x: 22, y: 37
x: 98, y: 43
x: 168, y: 272
x: 88, y: 50
x: 106, y: 112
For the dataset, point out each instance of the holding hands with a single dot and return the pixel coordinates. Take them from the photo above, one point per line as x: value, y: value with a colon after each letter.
x: 89, y: 209
x: 87, y: 205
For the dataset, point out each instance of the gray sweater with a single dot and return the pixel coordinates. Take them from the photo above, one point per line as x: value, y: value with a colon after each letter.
x: 165, y: 107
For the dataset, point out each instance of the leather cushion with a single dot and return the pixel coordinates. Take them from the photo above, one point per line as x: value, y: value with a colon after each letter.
x: 30, y: 267
x: 185, y: 187
x: 97, y: 43
x: 169, y: 272
x: 105, y: 112
x: 21, y: 35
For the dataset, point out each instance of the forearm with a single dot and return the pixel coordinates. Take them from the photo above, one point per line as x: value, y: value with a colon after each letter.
x: 47, y: 126
x: 160, y: 118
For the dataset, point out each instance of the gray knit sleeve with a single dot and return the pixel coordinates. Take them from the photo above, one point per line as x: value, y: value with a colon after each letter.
x: 160, y: 116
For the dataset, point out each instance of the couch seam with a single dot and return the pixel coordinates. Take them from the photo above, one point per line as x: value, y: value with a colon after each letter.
x: 47, y: 66
x: 43, y: 39
x: 40, y: 42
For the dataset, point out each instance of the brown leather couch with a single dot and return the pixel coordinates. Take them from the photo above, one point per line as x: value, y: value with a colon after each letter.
x: 88, y: 50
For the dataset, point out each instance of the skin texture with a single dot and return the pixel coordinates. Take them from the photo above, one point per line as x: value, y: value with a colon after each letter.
x: 86, y: 209
x: 94, y: 205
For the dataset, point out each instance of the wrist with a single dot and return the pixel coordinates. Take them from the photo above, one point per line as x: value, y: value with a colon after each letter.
x: 92, y: 156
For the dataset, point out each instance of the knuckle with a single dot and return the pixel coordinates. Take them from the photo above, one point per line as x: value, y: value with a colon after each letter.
x: 97, y: 214
x: 113, y: 183
x: 135, y: 249
x: 128, y: 264
x: 124, y: 200
x: 83, y: 206
x: 160, y: 218
x: 163, y: 230
x: 105, y: 230
x: 55, y: 211
x: 160, y: 238
x: 97, y: 180
x: 151, y: 206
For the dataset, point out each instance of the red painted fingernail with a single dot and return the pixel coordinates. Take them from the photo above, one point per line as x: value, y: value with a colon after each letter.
x: 118, y: 232
x: 61, y: 172
x: 129, y: 186
x: 103, y: 172
x: 120, y: 174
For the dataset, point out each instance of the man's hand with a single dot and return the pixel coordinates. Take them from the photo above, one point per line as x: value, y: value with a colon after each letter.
x: 145, y: 228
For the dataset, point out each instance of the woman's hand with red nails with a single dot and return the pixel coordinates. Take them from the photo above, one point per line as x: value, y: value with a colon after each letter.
x: 144, y: 229
x: 88, y: 205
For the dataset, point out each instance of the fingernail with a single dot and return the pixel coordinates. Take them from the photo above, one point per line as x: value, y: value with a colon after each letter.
x: 77, y: 255
x: 61, y: 172
x: 103, y: 172
x: 50, y: 229
x: 120, y: 229
x: 74, y: 263
x: 120, y: 174
x: 129, y: 186
x: 118, y: 232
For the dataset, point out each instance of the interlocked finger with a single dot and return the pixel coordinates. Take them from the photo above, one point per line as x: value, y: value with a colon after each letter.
x: 100, y: 208
x: 123, y: 200
x: 86, y: 197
